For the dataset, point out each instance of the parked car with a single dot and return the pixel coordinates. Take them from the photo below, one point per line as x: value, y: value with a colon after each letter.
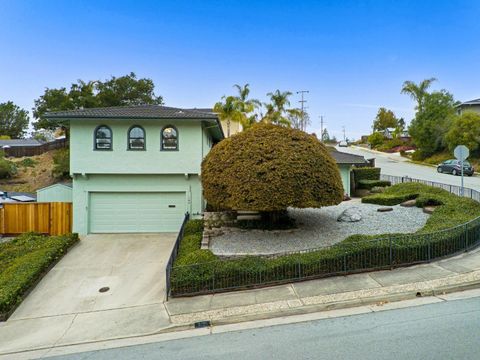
x: 454, y: 167
x: 343, y: 143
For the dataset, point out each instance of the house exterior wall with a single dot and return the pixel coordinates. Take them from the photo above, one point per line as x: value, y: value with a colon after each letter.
x: 464, y: 108
x: 235, y: 127
x: 345, y: 175
x: 83, y: 186
x: 192, y: 144
x: 55, y: 193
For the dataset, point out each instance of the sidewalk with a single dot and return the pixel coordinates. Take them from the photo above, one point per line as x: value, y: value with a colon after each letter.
x: 48, y: 335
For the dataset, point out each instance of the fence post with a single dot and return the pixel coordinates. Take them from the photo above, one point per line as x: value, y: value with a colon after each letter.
x: 344, y: 262
x: 466, y: 237
x: 429, y: 250
x: 391, y: 253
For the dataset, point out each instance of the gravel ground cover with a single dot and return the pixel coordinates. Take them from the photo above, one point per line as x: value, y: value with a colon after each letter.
x: 319, y: 228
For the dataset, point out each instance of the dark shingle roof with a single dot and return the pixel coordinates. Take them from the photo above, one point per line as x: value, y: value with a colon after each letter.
x: 135, y: 112
x: 471, y: 102
x: 344, y: 158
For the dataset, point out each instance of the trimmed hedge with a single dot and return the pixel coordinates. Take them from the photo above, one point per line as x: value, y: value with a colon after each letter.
x: 370, y: 184
x: 270, y: 168
x: 366, y: 173
x: 23, y: 261
x: 354, y: 254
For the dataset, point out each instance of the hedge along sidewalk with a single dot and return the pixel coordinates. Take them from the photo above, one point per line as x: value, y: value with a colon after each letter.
x: 448, y: 231
x: 23, y: 263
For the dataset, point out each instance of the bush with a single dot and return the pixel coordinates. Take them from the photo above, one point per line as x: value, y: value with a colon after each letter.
x: 27, y: 162
x: 7, y: 169
x: 366, y: 173
x: 370, y: 184
x: 376, y: 139
x: 24, y: 260
x: 270, y: 168
x: 61, y: 164
x: 193, y: 227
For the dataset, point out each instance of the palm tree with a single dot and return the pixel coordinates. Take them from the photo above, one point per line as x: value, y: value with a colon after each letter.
x: 276, y: 111
x: 246, y: 106
x: 417, y: 92
x: 229, y: 110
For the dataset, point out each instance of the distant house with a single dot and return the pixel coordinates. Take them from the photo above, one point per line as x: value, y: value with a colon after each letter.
x: 20, y: 143
x: 346, y: 162
x: 472, y: 105
x: 16, y: 197
x: 388, y: 133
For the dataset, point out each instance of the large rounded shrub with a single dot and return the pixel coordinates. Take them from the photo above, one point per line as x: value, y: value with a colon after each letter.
x: 270, y: 168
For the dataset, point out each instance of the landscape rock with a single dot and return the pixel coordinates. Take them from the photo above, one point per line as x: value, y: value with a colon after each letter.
x: 429, y: 209
x: 385, y: 209
x: 409, y: 203
x: 352, y: 214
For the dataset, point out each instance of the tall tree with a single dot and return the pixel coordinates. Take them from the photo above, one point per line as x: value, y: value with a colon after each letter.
x: 276, y: 110
x: 385, y: 119
x: 117, y: 91
x: 13, y: 120
x: 465, y: 130
x: 418, y: 91
x: 247, y: 106
x: 229, y: 111
x: 432, y: 122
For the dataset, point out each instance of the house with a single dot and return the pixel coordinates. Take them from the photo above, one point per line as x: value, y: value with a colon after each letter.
x: 19, y: 143
x: 60, y: 192
x: 389, y: 133
x: 472, y: 105
x: 346, y: 162
x: 229, y: 128
x: 137, y: 168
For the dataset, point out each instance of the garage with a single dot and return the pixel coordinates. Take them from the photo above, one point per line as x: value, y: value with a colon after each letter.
x: 140, y: 212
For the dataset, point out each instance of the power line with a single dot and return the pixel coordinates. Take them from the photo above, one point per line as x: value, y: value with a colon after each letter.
x: 302, y: 102
x: 321, y: 125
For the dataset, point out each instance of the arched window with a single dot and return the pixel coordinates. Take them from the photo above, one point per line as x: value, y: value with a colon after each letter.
x: 103, y: 138
x: 169, y: 138
x: 136, y: 138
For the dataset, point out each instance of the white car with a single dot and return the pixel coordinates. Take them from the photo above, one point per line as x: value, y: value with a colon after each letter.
x: 343, y: 144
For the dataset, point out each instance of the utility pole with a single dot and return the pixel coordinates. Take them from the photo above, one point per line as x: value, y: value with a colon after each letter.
x: 321, y: 126
x: 343, y: 129
x: 302, y: 102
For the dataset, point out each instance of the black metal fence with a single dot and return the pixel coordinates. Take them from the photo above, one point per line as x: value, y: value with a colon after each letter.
x: 174, y: 254
x: 340, y: 259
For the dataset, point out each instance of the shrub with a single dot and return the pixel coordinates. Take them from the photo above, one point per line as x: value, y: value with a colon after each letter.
x: 269, y: 168
x: 61, y: 163
x: 27, y: 162
x: 23, y: 260
x: 376, y: 139
x: 370, y: 184
x: 196, y: 257
x: 7, y: 169
x: 366, y: 173
x: 193, y: 227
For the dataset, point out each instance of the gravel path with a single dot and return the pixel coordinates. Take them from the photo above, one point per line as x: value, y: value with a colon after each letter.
x: 319, y: 228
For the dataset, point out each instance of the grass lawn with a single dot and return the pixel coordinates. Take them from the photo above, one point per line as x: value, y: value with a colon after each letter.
x: 23, y: 261
x: 200, y: 271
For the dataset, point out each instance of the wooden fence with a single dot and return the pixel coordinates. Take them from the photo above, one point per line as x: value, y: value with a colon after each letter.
x: 20, y: 151
x: 48, y: 218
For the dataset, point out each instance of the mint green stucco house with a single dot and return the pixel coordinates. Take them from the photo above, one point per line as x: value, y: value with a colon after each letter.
x: 137, y: 168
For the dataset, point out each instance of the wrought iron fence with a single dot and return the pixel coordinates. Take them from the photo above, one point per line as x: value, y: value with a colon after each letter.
x: 174, y: 254
x: 340, y: 259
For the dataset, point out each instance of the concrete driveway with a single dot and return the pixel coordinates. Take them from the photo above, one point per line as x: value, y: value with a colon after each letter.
x: 69, y: 303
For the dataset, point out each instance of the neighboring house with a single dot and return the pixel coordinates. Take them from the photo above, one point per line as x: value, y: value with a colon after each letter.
x: 20, y: 143
x: 346, y: 162
x: 472, y: 105
x: 16, y: 197
x: 137, y: 168
x: 60, y: 192
x: 388, y: 133
x: 228, y: 129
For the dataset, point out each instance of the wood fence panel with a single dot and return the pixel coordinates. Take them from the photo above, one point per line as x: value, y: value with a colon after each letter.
x: 46, y: 218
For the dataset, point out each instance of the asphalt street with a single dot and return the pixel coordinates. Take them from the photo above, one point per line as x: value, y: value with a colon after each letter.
x: 394, y: 164
x: 445, y: 330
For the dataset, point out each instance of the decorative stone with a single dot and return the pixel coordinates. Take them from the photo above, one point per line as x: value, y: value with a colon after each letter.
x: 352, y: 214
x: 429, y: 209
x: 385, y: 209
x: 409, y: 203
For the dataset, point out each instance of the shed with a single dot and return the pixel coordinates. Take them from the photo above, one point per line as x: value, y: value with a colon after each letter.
x: 60, y: 192
x: 345, y: 163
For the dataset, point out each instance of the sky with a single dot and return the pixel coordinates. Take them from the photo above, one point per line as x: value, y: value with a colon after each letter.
x: 352, y: 56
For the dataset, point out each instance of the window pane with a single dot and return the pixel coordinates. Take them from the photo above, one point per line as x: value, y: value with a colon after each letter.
x: 104, y: 143
x: 103, y: 138
x: 169, y: 139
x: 137, y: 143
x: 136, y: 132
x: 103, y: 133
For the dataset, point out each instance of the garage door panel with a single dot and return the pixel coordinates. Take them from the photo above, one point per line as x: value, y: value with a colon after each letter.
x: 136, y: 212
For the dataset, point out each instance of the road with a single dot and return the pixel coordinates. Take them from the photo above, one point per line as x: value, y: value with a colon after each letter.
x: 444, y: 330
x: 394, y: 164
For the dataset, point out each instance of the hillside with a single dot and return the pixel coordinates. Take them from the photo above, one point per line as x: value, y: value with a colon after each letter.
x: 34, y: 172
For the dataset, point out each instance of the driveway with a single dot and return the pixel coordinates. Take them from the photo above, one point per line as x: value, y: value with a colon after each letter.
x: 69, y: 303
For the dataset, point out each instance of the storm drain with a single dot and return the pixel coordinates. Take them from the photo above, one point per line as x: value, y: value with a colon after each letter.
x: 103, y: 289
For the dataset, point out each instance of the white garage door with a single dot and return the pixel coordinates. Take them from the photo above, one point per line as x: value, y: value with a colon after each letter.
x: 136, y: 212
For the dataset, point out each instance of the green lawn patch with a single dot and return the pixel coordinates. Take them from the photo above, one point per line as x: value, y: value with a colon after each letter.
x: 200, y: 271
x: 23, y: 261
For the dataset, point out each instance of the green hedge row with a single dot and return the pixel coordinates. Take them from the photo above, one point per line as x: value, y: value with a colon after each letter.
x: 202, y: 272
x: 366, y: 173
x: 23, y: 261
x: 370, y: 184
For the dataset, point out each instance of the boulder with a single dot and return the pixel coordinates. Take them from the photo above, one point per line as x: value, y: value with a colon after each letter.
x: 385, y: 209
x: 409, y: 203
x: 352, y: 214
x: 429, y: 209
